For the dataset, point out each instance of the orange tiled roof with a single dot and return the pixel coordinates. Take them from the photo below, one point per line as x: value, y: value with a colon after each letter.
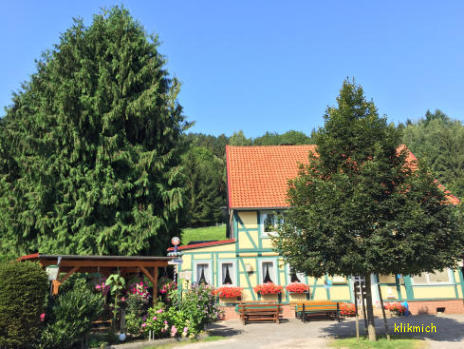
x: 257, y: 176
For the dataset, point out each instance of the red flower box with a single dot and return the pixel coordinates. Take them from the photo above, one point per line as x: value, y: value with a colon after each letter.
x: 347, y: 309
x: 228, y: 292
x: 396, y: 308
x: 297, y: 287
x: 268, y: 288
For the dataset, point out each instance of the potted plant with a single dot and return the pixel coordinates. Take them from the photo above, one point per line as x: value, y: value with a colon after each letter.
x: 297, y: 288
x: 228, y: 292
x: 347, y: 309
x: 395, y: 308
x: 268, y: 288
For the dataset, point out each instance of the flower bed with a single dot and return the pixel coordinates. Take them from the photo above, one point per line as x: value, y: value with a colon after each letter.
x: 297, y: 288
x: 228, y: 292
x: 268, y: 288
x: 347, y: 309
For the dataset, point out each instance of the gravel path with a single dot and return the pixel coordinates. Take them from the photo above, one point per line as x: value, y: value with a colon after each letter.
x: 316, y: 334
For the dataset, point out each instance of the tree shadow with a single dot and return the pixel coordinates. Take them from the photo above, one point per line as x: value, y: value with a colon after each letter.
x: 221, y: 329
x: 448, y: 328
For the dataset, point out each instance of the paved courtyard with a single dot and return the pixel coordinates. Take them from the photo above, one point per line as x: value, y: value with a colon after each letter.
x: 315, y: 334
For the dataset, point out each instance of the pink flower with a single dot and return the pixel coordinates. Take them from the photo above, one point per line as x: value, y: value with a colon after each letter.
x: 98, y: 287
x: 144, y: 325
x: 159, y: 311
x: 154, y: 318
x: 173, y: 330
x: 42, y: 317
x: 123, y: 299
x: 165, y: 322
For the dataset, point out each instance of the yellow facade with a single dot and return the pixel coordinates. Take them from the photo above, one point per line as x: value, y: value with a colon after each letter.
x: 252, y: 250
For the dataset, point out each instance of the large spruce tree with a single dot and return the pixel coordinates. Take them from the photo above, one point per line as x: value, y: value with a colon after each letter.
x: 89, y: 149
x: 359, y: 207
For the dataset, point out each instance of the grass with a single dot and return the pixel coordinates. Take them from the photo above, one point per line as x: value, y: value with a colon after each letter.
x: 381, y: 343
x: 187, y: 342
x: 215, y: 232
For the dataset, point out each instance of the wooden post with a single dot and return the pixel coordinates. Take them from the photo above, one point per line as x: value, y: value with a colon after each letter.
x: 155, y: 284
x: 387, y: 332
x: 356, y: 308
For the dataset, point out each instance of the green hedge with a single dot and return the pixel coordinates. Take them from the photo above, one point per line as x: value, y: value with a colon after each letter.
x: 23, y: 291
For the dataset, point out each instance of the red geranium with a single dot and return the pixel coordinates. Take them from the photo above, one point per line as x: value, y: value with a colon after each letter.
x: 228, y: 292
x: 347, y: 309
x: 395, y: 308
x: 268, y: 288
x: 297, y: 287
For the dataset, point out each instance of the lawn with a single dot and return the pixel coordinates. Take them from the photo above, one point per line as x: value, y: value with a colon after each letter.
x: 187, y: 342
x: 215, y: 232
x: 381, y: 343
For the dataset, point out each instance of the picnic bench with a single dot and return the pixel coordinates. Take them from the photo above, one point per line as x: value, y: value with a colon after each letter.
x: 331, y: 309
x: 259, y: 311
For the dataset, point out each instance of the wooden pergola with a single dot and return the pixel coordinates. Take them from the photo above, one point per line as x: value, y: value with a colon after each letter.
x: 105, y: 265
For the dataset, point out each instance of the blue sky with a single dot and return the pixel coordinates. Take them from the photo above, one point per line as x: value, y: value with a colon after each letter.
x: 272, y: 65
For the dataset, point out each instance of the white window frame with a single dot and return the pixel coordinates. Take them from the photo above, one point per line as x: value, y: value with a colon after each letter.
x: 233, y: 273
x: 262, y: 217
x: 301, y: 276
x: 275, y: 266
x: 210, y: 267
x: 428, y: 282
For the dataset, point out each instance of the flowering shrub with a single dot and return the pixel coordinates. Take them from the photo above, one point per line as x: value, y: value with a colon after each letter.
x: 347, y: 309
x: 167, y: 287
x: 139, y: 289
x: 186, y: 317
x: 268, y: 288
x: 297, y: 287
x: 396, y: 308
x: 102, y: 287
x: 228, y: 292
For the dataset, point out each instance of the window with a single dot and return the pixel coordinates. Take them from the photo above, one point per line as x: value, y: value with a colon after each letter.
x: 268, y: 272
x: 269, y: 223
x: 294, y: 276
x: 203, y: 273
x: 438, y: 277
x: 227, y: 273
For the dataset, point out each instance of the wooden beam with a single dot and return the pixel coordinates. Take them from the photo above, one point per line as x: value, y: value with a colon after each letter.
x: 147, y: 274
x: 69, y: 273
x: 110, y: 263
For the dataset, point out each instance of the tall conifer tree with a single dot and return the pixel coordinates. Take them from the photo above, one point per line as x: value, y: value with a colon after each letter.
x: 359, y: 207
x: 89, y: 149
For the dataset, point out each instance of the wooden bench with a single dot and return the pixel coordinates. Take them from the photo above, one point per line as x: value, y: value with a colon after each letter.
x: 331, y: 309
x: 259, y: 311
x: 101, y: 325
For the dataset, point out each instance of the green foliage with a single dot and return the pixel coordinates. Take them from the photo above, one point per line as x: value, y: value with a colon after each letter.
x: 287, y: 138
x: 187, y: 315
x: 90, y: 149
x: 23, y: 291
x: 217, y: 232
x: 71, y: 316
x: 239, y: 138
x: 440, y: 141
x: 206, y: 192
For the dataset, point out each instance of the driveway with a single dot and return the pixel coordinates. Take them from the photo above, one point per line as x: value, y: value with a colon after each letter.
x: 293, y: 333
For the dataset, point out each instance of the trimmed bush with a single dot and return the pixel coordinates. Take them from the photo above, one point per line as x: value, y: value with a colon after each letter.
x: 23, y: 291
x: 71, y: 316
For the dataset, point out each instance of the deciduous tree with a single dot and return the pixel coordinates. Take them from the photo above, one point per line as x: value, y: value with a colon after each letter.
x: 360, y: 208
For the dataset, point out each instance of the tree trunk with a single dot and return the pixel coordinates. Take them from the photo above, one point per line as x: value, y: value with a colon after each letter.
x: 370, y: 310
